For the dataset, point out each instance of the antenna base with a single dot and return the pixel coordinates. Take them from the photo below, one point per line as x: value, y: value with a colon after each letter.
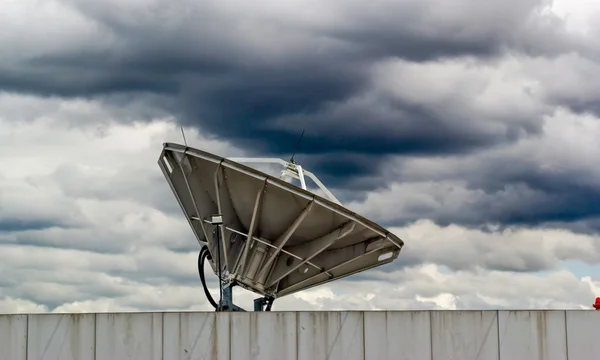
x: 227, y: 303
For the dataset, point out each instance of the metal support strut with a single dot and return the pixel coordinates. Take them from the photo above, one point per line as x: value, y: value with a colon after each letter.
x: 259, y: 304
x: 226, y: 299
x: 225, y: 289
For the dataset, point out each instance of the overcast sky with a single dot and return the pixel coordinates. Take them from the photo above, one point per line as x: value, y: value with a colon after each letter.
x: 469, y: 128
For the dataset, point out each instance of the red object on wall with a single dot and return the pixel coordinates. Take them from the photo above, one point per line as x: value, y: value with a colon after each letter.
x: 597, y: 304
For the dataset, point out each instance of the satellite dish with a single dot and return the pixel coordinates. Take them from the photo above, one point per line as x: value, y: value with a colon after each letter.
x: 268, y: 235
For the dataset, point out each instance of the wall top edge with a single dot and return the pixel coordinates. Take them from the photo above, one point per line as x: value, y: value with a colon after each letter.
x: 300, y: 312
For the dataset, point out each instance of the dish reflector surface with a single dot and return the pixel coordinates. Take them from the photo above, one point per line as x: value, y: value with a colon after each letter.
x: 276, y: 238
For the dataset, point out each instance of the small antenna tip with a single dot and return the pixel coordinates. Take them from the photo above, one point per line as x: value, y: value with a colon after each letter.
x: 183, y: 134
x: 297, y: 146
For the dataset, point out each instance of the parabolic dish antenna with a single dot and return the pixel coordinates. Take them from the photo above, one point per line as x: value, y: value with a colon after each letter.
x: 266, y: 234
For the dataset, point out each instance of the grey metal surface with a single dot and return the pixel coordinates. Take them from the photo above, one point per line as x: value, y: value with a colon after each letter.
x: 297, y: 239
x: 381, y: 335
x: 330, y: 335
x: 76, y: 333
x: 195, y: 336
x: 582, y: 334
x: 533, y: 334
x: 402, y: 335
x: 129, y: 336
x: 268, y: 336
x: 465, y: 335
x: 13, y: 337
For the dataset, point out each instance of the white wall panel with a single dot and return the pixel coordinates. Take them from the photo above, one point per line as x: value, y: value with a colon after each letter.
x: 330, y: 335
x: 129, y: 336
x: 582, y: 334
x: 61, y: 337
x: 268, y: 336
x: 459, y: 335
x: 194, y: 336
x: 427, y: 335
x: 533, y: 335
x: 224, y: 331
x: 189, y: 336
x: 13, y: 337
x: 398, y: 335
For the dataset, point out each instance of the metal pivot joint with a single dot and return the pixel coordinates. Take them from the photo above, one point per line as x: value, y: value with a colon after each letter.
x: 263, y: 303
x: 225, y: 302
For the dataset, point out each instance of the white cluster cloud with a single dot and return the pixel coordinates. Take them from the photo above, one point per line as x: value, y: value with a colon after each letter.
x: 88, y: 222
x: 111, y: 239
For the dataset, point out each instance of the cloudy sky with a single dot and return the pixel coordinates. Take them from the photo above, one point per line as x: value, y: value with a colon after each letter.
x: 469, y: 128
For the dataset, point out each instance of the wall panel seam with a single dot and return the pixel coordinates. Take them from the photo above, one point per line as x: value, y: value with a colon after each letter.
x: 566, y: 337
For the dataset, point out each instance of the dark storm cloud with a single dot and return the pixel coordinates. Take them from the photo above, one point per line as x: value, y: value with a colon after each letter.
x: 10, y: 225
x: 518, y: 191
x: 258, y: 75
x: 98, y: 242
x: 553, y: 198
x: 157, y: 277
x: 544, y: 181
x: 238, y: 70
x: 590, y: 224
x: 243, y: 105
x: 153, y: 191
x: 16, y: 217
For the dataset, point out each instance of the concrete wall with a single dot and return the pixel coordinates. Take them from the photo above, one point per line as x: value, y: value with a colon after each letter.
x: 415, y: 335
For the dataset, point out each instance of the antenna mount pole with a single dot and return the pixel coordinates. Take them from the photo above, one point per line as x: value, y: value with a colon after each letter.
x: 296, y: 147
x: 183, y: 134
x: 225, y: 292
x: 217, y: 220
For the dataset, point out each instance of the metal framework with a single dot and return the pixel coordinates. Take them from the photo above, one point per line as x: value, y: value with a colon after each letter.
x: 257, y: 265
x: 293, y: 170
